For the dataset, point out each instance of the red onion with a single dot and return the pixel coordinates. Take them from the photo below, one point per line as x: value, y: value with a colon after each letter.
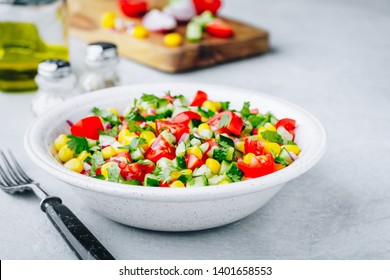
x: 108, y: 126
x: 69, y: 122
x: 184, y: 137
x: 158, y: 21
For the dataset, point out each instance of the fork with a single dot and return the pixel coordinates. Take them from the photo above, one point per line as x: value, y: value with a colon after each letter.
x: 83, y: 243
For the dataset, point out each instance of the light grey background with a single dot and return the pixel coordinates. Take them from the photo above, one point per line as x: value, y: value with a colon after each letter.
x: 331, y: 58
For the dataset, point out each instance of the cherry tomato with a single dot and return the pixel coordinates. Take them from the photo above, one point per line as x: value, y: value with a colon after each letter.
x: 254, y: 146
x: 160, y: 148
x: 234, y: 126
x: 186, y: 117
x: 192, y: 161
x: 258, y: 167
x: 88, y: 127
x: 288, y: 124
x: 212, y: 143
x: 136, y: 171
x: 177, y: 129
x: 133, y: 8
x: 207, y: 5
x: 220, y: 29
x: 200, y: 97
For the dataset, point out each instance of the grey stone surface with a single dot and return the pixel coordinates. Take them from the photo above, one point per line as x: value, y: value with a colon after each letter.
x: 331, y: 58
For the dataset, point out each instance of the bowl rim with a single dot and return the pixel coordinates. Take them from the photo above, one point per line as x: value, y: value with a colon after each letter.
x: 48, y: 164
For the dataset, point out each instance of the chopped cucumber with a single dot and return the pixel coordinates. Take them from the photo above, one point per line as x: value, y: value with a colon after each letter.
x: 203, y: 19
x: 206, y: 134
x: 285, y: 156
x: 179, y: 110
x: 181, y: 163
x: 164, y: 163
x: 203, y: 170
x: 195, y: 142
x: 181, y: 149
x: 224, y: 167
x: 198, y: 181
x: 217, y: 179
x: 247, y: 127
x: 234, y: 173
x: 194, y: 123
x: 286, y: 136
x: 136, y: 154
x: 225, y: 140
x: 168, y: 136
x: 224, y: 153
x: 204, y: 147
x: 151, y: 180
x: 193, y: 32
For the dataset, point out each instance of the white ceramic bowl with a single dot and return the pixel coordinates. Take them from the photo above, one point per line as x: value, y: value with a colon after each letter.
x: 174, y: 209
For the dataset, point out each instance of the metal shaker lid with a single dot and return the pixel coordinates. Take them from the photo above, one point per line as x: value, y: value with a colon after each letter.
x: 101, y: 51
x: 54, y: 68
x: 27, y: 2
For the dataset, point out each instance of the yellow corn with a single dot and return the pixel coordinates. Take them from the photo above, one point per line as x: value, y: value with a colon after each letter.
x: 148, y: 136
x: 269, y: 147
x: 140, y: 32
x: 209, y: 105
x: 83, y: 155
x: 186, y: 171
x: 203, y: 126
x: 218, y: 106
x: 292, y: 148
x: 270, y: 126
x: 122, y: 134
x: 248, y: 158
x: 108, y: 20
x: 177, y: 184
x: 105, y: 167
x: 75, y: 165
x: 195, y: 150
x: 175, y: 175
x: 60, y: 142
x: 213, y: 165
x: 151, y: 142
x: 65, y: 153
x: 108, y: 152
x: 113, y: 110
x: 173, y: 39
x: 127, y: 140
x: 224, y: 182
x: 240, y: 146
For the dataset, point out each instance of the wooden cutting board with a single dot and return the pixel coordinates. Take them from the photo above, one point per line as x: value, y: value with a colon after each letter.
x: 85, y: 18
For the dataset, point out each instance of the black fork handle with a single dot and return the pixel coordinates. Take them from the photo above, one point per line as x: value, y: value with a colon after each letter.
x: 76, y: 234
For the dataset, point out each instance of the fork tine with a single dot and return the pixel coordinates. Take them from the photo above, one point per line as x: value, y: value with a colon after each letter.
x: 19, y: 168
x: 5, y: 177
x: 11, y: 170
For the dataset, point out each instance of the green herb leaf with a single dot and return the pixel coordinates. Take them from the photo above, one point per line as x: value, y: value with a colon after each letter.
x: 112, y: 132
x: 234, y: 173
x: 205, y: 112
x: 149, y: 98
x: 272, y: 136
x: 281, y: 161
x: 255, y: 120
x: 225, y: 105
x: 224, y: 121
x: 96, y: 160
x: 113, y: 172
x: 245, y: 111
x: 134, y: 115
x: 78, y: 144
x: 107, y: 116
x: 291, y: 142
x: 133, y: 127
x: 134, y: 144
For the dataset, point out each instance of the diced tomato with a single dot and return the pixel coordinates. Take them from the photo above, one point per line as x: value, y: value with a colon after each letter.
x: 117, y: 157
x: 212, y: 143
x: 186, y: 117
x: 254, y: 146
x: 234, y: 126
x: 133, y: 8
x: 136, y: 171
x: 164, y: 184
x: 255, y: 131
x: 160, y: 148
x: 192, y: 161
x: 99, y: 170
x: 258, y: 167
x: 207, y: 5
x: 219, y: 28
x: 200, y: 97
x: 177, y: 129
x: 88, y: 127
x: 288, y: 124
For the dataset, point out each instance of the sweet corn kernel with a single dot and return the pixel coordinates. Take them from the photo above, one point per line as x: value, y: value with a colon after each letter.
x: 248, y: 158
x: 75, y: 165
x: 240, y: 146
x: 150, y: 143
x: 175, y: 175
x: 60, y: 142
x: 122, y: 134
x: 203, y: 126
x: 83, y: 155
x: 213, y: 165
x: 177, y: 184
x: 140, y: 32
x: 209, y: 105
x: 108, y: 152
x: 65, y: 153
x: 147, y: 135
x: 292, y: 148
x: 223, y: 182
x: 186, y: 171
x: 195, y: 150
x: 270, y: 126
x: 105, y: 167
x: 269, y: 147
x: 108, y: 20
x: 127, y: 139
x: 218, y: 106
x: 113, y: 110
x: 173, y: 39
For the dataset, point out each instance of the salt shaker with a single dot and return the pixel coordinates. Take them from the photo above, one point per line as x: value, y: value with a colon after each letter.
x: 56, y: 83
x: 101, y: 62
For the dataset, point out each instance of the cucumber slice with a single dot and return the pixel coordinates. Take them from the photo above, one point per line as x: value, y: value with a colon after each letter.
x: 216, y: 179
x: 286, y: 156
x: 204, y: 147
x: 224, y: 140
x: 195, y: 142
x: 181, y: 149
x: 178, y: 110
x: 151, y: 180
x: 203, y: 170
x: 194, y: 32
x: 206, y: 134
x: 168, y: 136
x: 234, y: 173
x: 224, y: 167
x: 181, y: 163
x: 194, y: 123
x: 136, y: 155
x: 230, y: 154
x: 164, y: 163
x: 198, y: 182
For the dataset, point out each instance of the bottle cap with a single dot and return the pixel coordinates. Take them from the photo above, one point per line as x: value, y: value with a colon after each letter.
x: 54, y: 68
x: 101, y: 51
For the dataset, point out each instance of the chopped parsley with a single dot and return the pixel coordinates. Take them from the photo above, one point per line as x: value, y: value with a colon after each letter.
x: 114, y: 173
x: 134, y: 144
x: 78, y: 144
x: 245, y: 111
x: 224, y: 121
x: 272, y: 136
x: 107, y: 116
